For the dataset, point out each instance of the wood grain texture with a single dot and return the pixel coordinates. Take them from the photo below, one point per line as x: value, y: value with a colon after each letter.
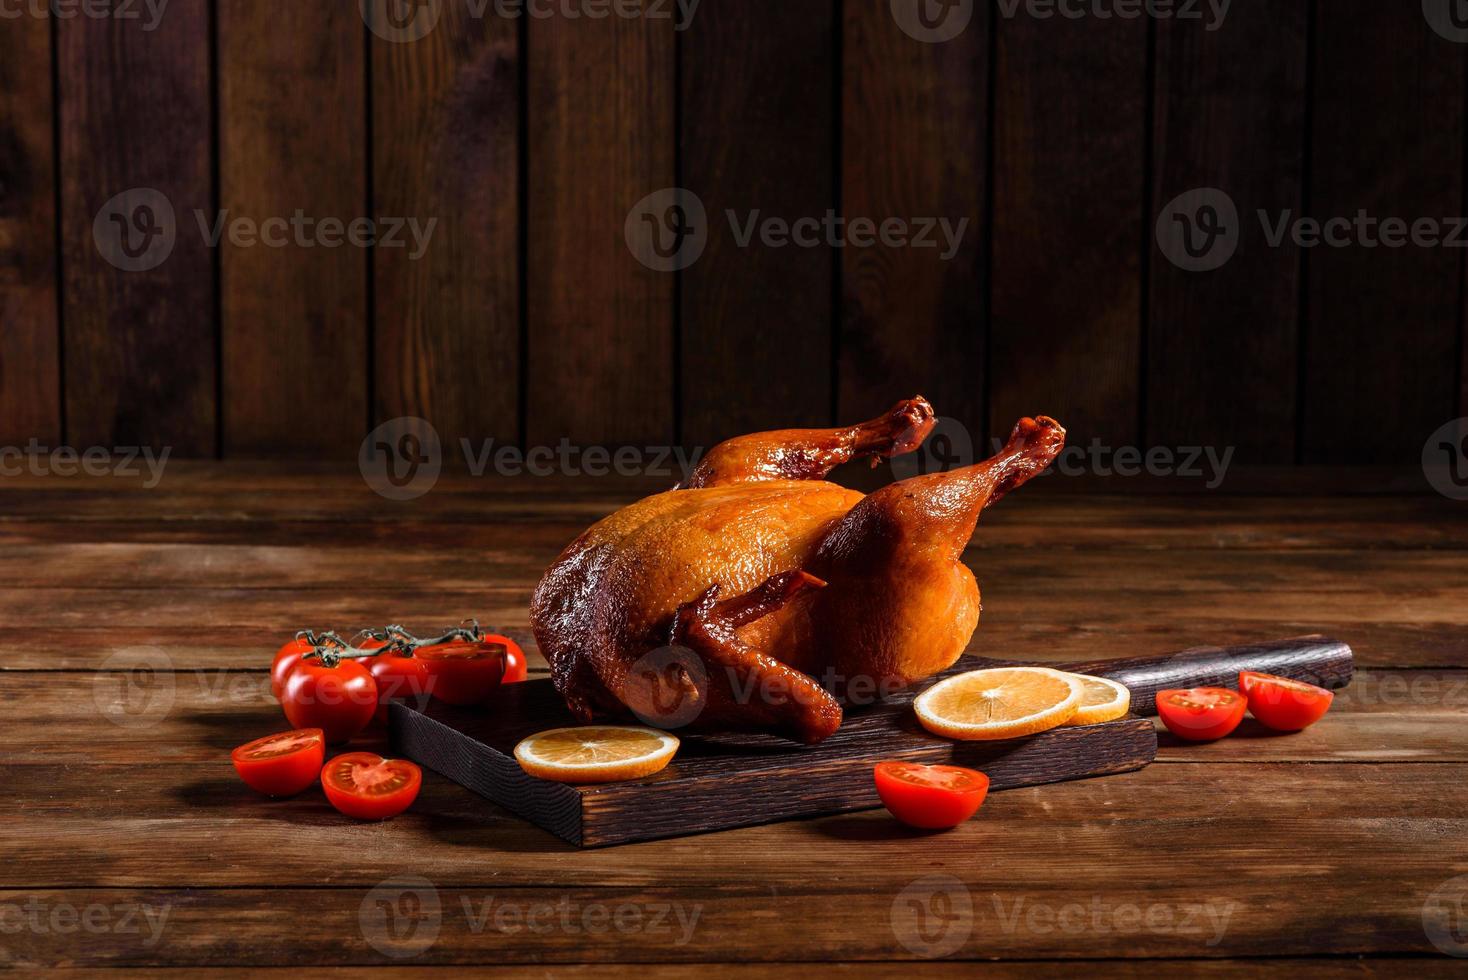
x: 446, y: 149
x: 140, y: 346
x: 30, y: 383
x: 195, y: 714
x: 1221, y: 345
x: 1377, y: 784
x: 1397, y: 609
x: 600, y: 323
x: 1065, y: 844
x: 913, y: 146
x: 1048, y: 514
x: 293, y: 306
x: 1302, y: 967
x: 190, y: 805
x: 757, y: 110
x: 1069, y: 142
x: 1004, y: 918
x: 1307, y: 968
x: 1380, y: 354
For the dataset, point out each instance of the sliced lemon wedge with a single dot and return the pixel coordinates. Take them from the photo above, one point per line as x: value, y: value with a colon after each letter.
x: 595, y: 753
x: 1001, y: 702
x: 1102, y: 700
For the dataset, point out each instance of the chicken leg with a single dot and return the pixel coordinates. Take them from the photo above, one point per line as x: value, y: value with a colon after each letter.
x: 810, y: 454
x: 898, y: 553
x: 745, y: 687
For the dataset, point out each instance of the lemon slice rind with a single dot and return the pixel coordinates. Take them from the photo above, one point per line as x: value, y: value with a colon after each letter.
x: 1048, y: 714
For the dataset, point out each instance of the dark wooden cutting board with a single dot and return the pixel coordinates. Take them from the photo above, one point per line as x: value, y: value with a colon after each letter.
x: 720, y: 781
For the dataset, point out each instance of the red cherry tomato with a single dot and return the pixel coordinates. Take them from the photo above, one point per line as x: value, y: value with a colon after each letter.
x: 1200, y: 714
x: 1283, y: 704
x: 463, y: 672
x: 369, y: 787
x: 398, y: 678
x: 282, y: 764
x: 340, y: 700
x: 514, y: 658
x: 930, y: 797
x: 285, y: 660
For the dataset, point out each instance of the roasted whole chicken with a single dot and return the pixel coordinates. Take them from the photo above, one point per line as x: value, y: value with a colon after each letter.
x: 757, y: 596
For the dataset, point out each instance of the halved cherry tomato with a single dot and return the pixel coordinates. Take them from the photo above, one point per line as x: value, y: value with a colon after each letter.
x: 1283, y: 704
x: 514, y: 671
x: 340, y: 700
x: 463, y: 671
x: 282, y: 764
x: 930, y: 797
x: 369, y: 787
x: 399, y: 678
x: 285, y: 660
x: 1200, y: 714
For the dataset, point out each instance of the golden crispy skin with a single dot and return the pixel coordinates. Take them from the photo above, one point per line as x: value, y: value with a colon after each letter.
x: 791, y: 593
x: 611, y: 596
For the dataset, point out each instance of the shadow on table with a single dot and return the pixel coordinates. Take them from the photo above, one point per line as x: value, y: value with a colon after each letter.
x: 308, y: 809
x: 225, y: 730
x: 1248, y: 728
x: 866, y: 826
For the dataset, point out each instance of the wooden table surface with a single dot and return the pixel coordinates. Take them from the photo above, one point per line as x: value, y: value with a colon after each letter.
x: 139, y: 623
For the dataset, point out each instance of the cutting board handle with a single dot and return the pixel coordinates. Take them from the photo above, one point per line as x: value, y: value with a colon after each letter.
x: 1314, y: 659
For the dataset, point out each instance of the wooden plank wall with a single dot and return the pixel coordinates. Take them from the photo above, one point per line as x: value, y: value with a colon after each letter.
x: 30, y: 383
x: 528, y: 142
x: 139, y: 340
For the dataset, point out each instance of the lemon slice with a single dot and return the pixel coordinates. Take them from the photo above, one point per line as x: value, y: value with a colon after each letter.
x: 1002, y: 702
x: 1101, y: 700
x: 596, y: 753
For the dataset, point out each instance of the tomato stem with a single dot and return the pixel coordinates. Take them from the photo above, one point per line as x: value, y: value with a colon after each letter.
x: 330, y: 648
